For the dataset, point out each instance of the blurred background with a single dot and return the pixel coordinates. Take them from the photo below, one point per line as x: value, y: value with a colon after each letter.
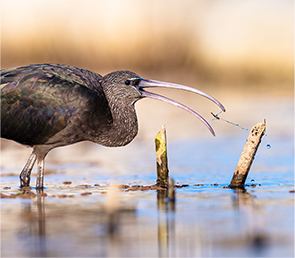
x: 229, y: 49
x: 240, y: 52
x: 211, y: 40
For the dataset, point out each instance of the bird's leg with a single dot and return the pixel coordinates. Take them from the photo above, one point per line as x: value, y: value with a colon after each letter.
x: 25, y: 175
x: 40, y: 176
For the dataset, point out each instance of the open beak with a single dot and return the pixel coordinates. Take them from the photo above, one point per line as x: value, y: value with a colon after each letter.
x: 152, y: 83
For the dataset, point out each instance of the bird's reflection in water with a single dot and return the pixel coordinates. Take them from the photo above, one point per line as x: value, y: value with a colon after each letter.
x: 109, y: 226
x: 101, y: 224
x: 33, y: 226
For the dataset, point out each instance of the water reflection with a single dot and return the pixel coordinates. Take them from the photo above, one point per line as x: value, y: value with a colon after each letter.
x: 47, y: 230
x: 33, y: 226
x: 251, y: 220
x: 204, y: 223
x: 166, y: 222
x: 163, y: 224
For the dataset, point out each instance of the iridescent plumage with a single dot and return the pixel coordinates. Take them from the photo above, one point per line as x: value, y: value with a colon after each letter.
x: 50, y: 105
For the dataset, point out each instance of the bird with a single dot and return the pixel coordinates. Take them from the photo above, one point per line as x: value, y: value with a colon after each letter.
x: 45, y: 106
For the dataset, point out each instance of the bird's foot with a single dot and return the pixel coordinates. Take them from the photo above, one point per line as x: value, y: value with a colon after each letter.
x: 26, y: 190
x: 39, y: 190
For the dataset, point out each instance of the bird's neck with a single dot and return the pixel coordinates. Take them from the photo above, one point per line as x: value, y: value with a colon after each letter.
x: 124, y: 126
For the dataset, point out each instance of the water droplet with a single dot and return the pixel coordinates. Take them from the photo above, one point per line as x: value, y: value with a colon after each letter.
x: 252, y: 180
x: 268, y: 146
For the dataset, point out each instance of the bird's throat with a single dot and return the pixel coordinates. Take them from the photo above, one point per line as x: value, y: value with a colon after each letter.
x: 123, y: 129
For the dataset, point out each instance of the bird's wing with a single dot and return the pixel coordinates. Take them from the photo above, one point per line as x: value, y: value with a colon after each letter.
x: 63, y: 72
x: 38, y: 101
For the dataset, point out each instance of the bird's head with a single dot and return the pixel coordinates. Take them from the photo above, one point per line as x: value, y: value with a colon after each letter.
x: 128, y: 87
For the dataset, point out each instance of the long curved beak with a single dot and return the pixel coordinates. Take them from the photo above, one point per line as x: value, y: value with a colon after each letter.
x: 153, y: 83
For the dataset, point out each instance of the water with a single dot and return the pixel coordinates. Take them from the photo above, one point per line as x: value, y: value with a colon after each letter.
x: 90, y: 218
x: 207, y: 219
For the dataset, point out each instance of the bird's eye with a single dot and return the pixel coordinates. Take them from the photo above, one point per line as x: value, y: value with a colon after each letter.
x: 127, y: 82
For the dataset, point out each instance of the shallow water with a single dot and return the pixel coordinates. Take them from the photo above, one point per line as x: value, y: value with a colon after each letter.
x: 92, y: 218
x: 206, y: 219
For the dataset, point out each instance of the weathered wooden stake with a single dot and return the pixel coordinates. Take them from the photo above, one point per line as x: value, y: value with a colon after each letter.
x: 247, y: 156
x: 162, y: 162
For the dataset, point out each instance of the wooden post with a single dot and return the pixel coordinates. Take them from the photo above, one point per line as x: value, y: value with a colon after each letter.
x: 162, y: 162
x: 247, y: 156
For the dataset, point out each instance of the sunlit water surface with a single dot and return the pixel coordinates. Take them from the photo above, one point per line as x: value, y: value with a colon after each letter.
x: 88, y: 218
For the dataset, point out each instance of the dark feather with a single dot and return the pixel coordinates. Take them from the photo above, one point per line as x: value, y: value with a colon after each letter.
x: 38, y: 101
x: 50, y: 105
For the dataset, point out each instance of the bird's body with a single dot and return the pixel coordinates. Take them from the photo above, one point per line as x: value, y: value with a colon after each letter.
x: 49, y: 105
x: 54, y: 105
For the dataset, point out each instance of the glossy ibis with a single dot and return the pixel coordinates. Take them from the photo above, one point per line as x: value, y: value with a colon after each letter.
x: 45, y: 106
